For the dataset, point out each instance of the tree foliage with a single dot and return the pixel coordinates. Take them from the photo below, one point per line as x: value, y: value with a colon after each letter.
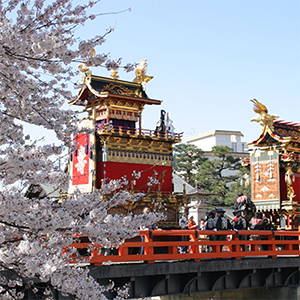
x: 188, y: 161
x: 38, y: 42
x: 218, y: 174
x: 238, y: 186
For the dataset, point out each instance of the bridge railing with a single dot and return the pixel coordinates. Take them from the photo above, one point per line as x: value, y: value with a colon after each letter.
x: 162, y: 245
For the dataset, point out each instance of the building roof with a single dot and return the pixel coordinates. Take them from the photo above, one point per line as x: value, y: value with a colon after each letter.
x: 101, y: 87
x: 283, y: 135
x: 283, y: 132
x: 213, y: 133
x: 179, y: 183
x: 44, y: 190
x: 198, y: 191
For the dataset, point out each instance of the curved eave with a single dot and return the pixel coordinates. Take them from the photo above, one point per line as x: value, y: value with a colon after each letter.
x: 136, y: 99
x: 111, y: 80
x: 107, y: 95
x: 87, y: 81
x: 80, y: 94
x: 268, y: 132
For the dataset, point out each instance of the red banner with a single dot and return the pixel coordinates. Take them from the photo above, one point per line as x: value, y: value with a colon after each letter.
x: 80, y: 174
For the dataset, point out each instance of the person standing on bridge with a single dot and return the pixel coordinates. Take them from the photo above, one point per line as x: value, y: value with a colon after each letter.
x: 239, y: 223
x: 222, y: 223
x: 210, y: 224
x: 146, y: 211
x: 192, y: 224
x: 184, y: 223
x: 257, y: 223
x: 245, y: 205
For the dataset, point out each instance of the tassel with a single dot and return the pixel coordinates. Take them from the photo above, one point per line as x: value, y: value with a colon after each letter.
x: 91, y: 152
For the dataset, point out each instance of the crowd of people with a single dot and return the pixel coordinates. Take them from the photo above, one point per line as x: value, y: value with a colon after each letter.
x: 244, y: 218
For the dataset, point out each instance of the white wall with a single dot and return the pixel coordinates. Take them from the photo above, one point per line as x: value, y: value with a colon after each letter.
x: 205, y: 143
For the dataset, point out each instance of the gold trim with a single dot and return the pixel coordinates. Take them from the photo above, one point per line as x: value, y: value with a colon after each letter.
x: 87, y: 79
x: 121, y: 90
x: 139, y: 158
x: 124, y: 108
x: 139, y: 145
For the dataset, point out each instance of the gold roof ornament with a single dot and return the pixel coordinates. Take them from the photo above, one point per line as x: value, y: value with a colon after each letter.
x: 140, y: 73
x: 114, y: 71
x: 83, y: 67
x: 263, y: 118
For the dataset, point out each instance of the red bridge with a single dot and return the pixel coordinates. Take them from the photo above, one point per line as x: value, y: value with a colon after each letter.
x: 271, y: 261
x: 159, y: 246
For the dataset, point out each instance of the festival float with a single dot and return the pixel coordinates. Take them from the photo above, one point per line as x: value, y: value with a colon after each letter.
x: 115, y: 146
x: 275, y: 169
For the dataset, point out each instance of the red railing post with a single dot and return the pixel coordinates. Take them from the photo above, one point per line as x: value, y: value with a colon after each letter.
x: 299, y: 239
x: 235, y: 247
x: 272, y: 244
x: 194, y: 238
x: 149, y: 250
x: 229, y: 238
x: 123, y: 250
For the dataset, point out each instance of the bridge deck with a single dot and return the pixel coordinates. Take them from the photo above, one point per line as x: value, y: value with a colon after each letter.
x: 271, y: 259
x: 162, y: 245
x: 188, y: 277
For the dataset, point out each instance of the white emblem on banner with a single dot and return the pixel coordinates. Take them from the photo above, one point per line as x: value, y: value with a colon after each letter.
x: 81, y: 160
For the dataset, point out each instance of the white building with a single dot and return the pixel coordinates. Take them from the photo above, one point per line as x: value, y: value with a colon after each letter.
x: 206, y: 141
x: 232, y: 139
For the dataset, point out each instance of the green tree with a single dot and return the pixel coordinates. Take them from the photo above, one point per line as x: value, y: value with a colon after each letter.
x: 189, y: 158
x: 238, y: 186
x: 218, y: 174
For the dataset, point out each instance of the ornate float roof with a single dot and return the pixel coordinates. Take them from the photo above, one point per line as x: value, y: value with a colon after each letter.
x: 283, y: 133
x: 277, y: 133
x: 102, y: 87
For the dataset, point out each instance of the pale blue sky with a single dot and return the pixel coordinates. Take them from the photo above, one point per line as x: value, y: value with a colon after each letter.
x: 209, y: 58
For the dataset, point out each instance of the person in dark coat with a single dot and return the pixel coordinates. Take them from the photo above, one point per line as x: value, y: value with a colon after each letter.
x: 239, y: 223
x: 222, y: 223
x: 244, y: 204
x: 257, y: 223
x: 210, y: 224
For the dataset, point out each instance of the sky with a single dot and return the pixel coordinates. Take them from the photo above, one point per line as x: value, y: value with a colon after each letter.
x: 208, y: 58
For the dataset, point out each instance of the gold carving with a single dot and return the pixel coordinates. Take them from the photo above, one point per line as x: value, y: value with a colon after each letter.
x: 87, y: 79
x: 119, y: 89
x: 139, y: 158
x: 83, y: 67
x: 114, y: 72
x: 263, y: 118
x: 290, y: 193
x: 288, y: 133
x: 140, y: 72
